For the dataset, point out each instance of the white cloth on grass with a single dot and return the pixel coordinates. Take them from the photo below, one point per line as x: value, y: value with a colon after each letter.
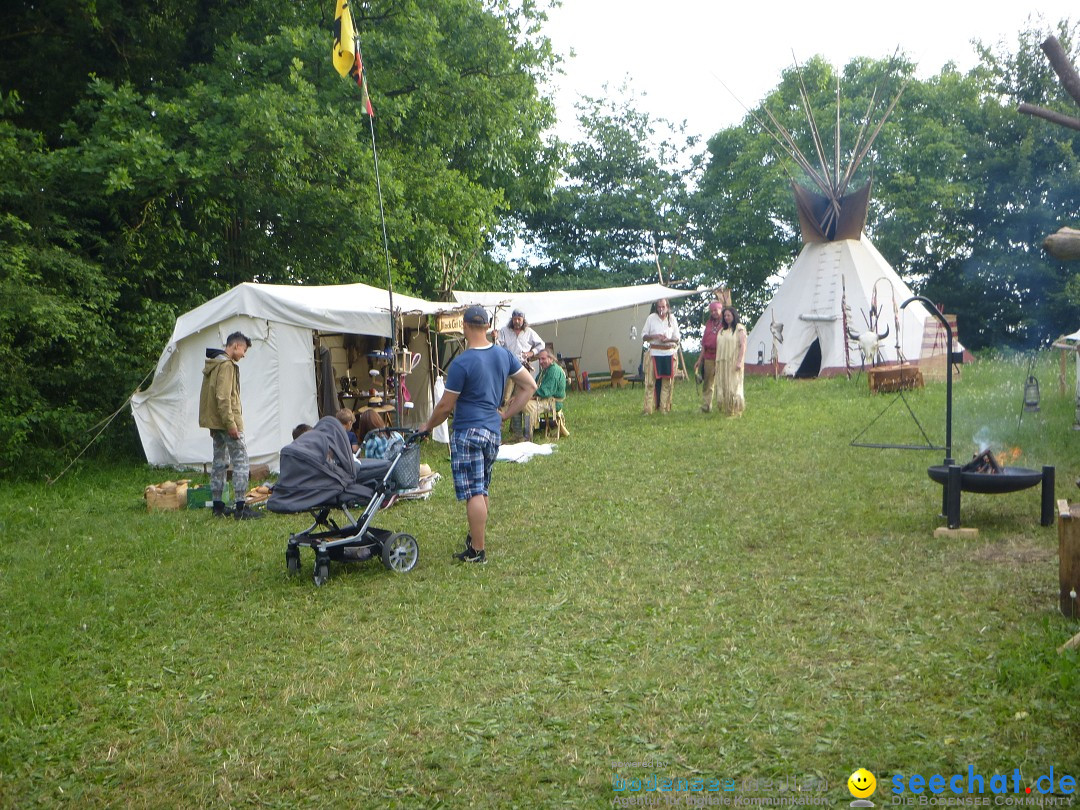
x: 523, y: 451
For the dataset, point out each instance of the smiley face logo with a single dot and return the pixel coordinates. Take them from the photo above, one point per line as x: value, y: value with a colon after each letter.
x: 862, y: 784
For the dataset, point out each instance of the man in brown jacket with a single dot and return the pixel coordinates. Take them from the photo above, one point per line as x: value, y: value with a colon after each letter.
x: 221, y: 412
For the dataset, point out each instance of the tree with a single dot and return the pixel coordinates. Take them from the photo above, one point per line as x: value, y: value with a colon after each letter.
x: 56, y: 334
x: 621, y: 206
x: 216, y: 144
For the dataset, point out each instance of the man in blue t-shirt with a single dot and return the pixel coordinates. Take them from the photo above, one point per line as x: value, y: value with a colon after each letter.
x: 474, y: 389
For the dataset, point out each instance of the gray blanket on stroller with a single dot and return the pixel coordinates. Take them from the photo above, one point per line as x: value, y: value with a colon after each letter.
x: 317, y: 469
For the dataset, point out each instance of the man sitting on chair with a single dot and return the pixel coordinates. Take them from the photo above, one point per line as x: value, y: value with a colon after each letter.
x: 548, y: 399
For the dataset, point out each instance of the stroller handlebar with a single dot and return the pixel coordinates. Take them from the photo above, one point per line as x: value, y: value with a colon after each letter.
x: 416, y: 437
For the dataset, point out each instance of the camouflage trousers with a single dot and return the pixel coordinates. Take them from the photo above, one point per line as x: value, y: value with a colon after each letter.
x: 227, y: 449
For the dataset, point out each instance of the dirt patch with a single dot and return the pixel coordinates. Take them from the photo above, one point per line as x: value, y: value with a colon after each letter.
x: 1012, y: 555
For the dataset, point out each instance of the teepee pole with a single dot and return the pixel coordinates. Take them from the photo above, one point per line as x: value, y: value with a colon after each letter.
x: 809, y: 110
x: 836, y: 163
x: 858, y: 143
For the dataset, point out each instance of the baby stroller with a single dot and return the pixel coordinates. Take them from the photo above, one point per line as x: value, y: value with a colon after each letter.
x: 319, y: 475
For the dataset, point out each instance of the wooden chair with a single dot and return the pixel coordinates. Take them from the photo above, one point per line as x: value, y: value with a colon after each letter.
x: 553, y: 419
x: 614, y: 364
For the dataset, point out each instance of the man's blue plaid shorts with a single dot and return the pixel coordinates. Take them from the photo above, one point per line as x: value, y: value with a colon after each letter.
x: 472, y: 456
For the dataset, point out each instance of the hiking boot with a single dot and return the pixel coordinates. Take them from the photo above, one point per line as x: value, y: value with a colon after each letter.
x: 221, y: 510
x: 471, y: 555
x: 245, y: 512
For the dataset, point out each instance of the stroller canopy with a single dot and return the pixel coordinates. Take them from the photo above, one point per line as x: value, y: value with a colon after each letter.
x: 317, y: 469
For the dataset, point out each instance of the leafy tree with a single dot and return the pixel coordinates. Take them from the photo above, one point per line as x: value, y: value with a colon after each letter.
x: 214, y: 143
x: 622, y: 203
x: 61, y: 352
x: 1027, y: 184
x: 52, y: 47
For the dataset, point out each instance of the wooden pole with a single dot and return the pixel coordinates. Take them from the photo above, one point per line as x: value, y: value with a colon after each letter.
x: 1059, y: 61
x: 1049, y: 115
x: 1071, y: 644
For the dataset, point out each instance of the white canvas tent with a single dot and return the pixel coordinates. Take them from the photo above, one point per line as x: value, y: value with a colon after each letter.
x: 278, y: 375
x: 809, y: 306
x: 1071, y: 343
x: 583, y: 323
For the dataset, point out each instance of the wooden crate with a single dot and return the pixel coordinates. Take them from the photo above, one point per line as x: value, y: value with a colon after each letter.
x: 167, y: 495
x: 890, y: 379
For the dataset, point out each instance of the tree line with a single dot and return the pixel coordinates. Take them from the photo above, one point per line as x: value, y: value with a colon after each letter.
x: 153, y: 155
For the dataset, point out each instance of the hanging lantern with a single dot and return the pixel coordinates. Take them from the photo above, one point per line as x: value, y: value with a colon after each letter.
x: 761, y: 355
x: 1031, y: 395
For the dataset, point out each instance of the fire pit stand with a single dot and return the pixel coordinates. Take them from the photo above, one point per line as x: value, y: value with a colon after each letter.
x: 1011, y: 479
x: 954, y: 479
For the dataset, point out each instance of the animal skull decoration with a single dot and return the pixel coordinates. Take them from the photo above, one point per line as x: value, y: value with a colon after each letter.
x: 870, y: 343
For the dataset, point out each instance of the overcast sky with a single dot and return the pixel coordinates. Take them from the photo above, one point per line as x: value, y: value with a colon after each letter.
x: 675, y: 53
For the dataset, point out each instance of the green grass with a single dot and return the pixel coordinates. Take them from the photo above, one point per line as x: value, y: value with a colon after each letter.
x: 727, y: 599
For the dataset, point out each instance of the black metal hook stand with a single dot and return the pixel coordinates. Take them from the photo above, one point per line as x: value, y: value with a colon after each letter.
x: 950, y: 494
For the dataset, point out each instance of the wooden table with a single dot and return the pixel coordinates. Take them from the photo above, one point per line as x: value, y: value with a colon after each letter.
x: 573, y: 372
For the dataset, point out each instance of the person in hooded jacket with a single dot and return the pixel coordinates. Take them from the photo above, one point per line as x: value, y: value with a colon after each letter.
x: 220, y: 411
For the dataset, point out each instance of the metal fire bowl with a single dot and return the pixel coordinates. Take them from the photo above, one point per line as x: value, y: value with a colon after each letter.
x: 1011, y: 479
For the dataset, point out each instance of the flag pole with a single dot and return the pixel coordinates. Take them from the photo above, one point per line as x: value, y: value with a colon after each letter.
x: 386, y: 244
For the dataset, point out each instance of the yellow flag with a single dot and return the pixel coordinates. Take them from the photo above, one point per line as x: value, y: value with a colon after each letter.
x: 344, y: 39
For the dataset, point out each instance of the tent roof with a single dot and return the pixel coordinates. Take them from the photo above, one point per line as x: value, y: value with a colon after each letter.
x: 352, y: 308
x: 562, y: 305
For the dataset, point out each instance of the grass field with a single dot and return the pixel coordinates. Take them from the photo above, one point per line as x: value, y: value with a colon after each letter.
x: 687, y: 596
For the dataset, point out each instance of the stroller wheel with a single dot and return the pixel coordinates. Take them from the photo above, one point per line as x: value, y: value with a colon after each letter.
x: 322, y: 569
x: 400, y: 552
x: 292, y: 560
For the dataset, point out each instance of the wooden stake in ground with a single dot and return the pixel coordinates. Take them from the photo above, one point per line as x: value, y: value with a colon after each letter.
x: 1071, y: 644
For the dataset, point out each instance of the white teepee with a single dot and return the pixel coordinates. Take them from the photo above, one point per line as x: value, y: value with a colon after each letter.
x: 808, y: 310
x: 840, y: 292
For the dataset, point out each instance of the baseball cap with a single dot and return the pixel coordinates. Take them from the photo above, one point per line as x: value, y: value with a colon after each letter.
x: 477, y: 316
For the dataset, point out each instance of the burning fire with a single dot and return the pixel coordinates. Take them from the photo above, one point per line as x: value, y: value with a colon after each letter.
x: 986, y: 462
x: 1010, y: 456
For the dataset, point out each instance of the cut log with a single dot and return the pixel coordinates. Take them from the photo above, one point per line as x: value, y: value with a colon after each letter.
x: 1049, y: 115
x: 1064, y: 245
x: 1059, y: 61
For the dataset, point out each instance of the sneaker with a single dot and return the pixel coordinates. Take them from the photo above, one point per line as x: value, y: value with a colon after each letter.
x: 245, y: 512
x: 471, y: 555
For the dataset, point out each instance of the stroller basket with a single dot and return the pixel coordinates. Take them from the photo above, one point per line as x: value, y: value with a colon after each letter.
x: 406, y: 474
